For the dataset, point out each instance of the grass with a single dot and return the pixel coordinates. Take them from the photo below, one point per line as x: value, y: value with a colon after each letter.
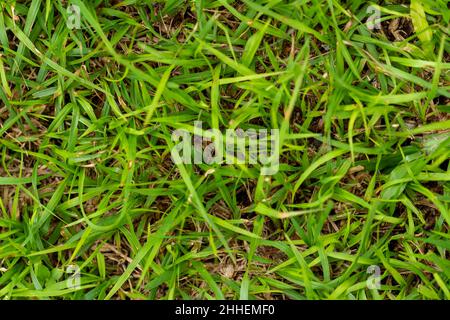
x: 87, y: 181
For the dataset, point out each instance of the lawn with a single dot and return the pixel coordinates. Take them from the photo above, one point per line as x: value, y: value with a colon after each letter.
x: 96, y: 204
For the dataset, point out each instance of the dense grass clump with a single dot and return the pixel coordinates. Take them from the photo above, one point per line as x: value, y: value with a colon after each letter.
x: 92, y: 206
